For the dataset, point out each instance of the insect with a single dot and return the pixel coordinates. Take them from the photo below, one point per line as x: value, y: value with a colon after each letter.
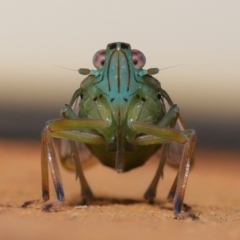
x: 123, y: 117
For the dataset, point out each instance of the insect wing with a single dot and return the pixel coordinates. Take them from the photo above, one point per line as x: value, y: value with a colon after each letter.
x: 75, y: 106
x: 66, y: 155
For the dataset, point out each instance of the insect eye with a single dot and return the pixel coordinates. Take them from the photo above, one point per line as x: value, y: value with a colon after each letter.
x: 99, y: 59
x: 138, y: 58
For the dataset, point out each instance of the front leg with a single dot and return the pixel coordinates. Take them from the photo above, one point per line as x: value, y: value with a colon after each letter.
x: 63, y: 128
x: 150, y: 193
x: 172, y: 192
x: 86, y: 192
x: 49, y: 158
x: 169, y: 120
x: 182, y: 179
x: 166, y: 135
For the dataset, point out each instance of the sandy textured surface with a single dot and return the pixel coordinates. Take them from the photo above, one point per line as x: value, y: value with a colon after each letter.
x: 213, y: 192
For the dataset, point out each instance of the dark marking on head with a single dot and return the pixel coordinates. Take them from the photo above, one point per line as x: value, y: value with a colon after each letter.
x: 112, y: 46
x: 112, y: 99
x: 124, y: 45
x: 143, y: 99
x: 95, y: 99
x: 159, y: 96
x: 125, y: 99
x: 102, y: 62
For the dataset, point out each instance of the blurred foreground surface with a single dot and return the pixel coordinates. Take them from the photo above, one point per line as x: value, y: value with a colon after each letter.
x: 213, y: 192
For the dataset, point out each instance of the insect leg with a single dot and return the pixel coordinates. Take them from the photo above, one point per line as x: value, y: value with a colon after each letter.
x: 181, y: 125
x: 49, y: 158
x: 86, y: 192
x: 48, y: 155
x: 45, y: 185
x: 62, y: 129
x: 169, y: 119
x: 49, y: 152
x: 182, y: 178
x: 172, y: 192
x: 186, y: 137
x: 150, y: 194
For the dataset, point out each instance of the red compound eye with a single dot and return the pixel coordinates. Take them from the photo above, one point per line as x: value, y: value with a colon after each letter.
x: 99, y: 58
x: 138, y: 58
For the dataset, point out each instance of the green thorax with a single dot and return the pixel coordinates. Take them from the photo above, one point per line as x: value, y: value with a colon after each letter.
x: 118, y: 80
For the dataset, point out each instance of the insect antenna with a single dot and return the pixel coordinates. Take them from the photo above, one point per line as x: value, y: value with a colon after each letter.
x: 152, y: 71
x: 83, y: 71
x: 170, y: 67
x: 66, y: 68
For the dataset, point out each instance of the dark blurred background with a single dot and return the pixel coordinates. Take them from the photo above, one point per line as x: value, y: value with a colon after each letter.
x: 27, y: 125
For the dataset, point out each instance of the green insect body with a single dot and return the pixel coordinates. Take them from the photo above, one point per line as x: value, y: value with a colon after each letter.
x: 123, y: 121
x: 120, y: 95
